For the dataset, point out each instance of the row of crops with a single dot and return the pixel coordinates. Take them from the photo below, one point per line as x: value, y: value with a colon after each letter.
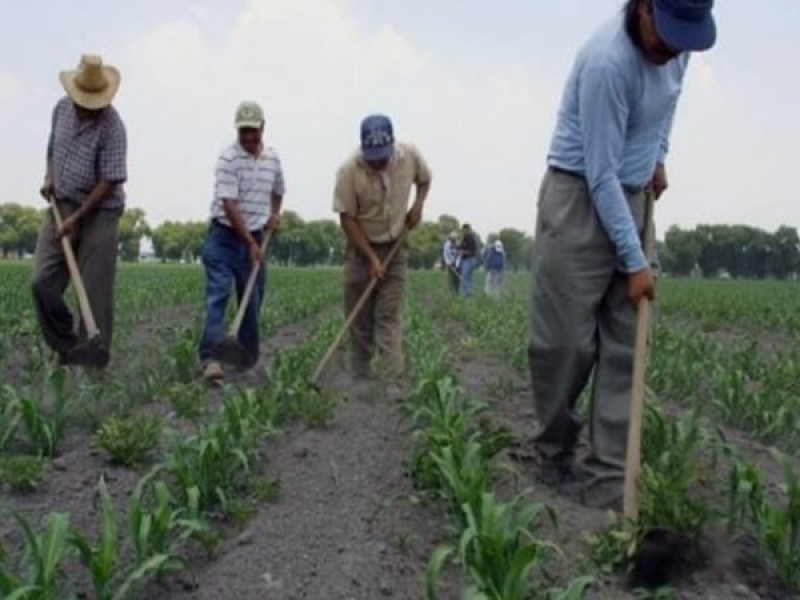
x: 724, y: 377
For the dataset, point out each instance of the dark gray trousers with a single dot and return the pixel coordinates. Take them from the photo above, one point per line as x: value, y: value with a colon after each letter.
x: 581, y: 322
x: 95, y: 248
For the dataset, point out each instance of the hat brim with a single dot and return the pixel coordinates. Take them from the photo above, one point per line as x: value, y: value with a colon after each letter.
x: 378, y: 153
x: 685, y: 36
x: 249, y: 124
x: 89, y: 100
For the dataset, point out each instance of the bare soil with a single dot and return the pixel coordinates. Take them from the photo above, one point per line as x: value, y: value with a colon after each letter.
x: 347, y: 524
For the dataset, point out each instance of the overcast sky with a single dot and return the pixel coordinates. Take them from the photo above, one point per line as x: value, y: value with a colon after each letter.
x: 475, y: 84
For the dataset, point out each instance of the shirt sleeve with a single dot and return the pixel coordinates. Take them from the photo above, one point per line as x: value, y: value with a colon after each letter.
x: 603, y: 107
x: 344, y: 194
x: 112, y: 160
x: 279, y: 189
x: 51, y: 138
x: 424, y: 174
x: 226, y: 184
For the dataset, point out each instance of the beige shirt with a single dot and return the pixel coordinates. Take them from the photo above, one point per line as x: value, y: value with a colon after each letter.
x: 379, y: 200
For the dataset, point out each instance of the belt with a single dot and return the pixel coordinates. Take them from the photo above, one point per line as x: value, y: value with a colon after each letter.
x: 218, y: 223
x: 628, y: 189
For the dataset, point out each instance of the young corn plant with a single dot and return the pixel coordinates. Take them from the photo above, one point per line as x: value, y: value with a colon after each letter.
x: 128, y: 440
x: 500, y: 551
x: 43, y: 558
x: 776, y: 525
x: 182, y: 353
x: 103, y: 558
x: 156, y: 526
x: 675, y: 455
x: 45, y: 426
x: 21, y: 473
x: 214, y: 463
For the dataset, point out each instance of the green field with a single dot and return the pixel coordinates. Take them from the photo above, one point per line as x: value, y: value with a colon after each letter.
x: 131, y: 483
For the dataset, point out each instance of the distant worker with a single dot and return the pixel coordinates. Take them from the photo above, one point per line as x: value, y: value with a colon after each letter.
x: 468, y: 251
x: 494, y: 261
x: 450, y: 260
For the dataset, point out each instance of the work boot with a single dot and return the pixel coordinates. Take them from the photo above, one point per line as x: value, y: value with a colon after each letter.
x: 212, y: 372
x: 603, y: 493
x: 556, y: 472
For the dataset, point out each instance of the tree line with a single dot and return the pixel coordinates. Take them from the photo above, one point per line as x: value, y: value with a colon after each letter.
x: 707, y: 250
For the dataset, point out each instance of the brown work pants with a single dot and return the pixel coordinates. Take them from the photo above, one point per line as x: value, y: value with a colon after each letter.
x: 95, y: 246
x: 377, y: 331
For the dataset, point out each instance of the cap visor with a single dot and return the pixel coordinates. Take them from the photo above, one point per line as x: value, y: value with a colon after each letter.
x: 248, y: 124
x: 379, y: 153
x: 683, y: 35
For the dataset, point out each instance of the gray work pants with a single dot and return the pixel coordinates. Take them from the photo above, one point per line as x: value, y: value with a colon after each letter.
x: 95, y: 249
x: 581, y: 322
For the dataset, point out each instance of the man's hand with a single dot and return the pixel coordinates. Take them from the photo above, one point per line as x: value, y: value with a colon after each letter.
x: 256, y: 257
x: 659, y: 181
x: 69, y: 227
x: 47, y: 189
x: 641, y: 285
x: 414, y: 216
x: 376, y: 270
x: 273, y: 223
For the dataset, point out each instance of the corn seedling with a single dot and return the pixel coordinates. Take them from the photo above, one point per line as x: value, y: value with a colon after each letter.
x: 128, y: 440
x: 157, y: 526
x: 45, y: 426
x: 102, y: 559
x: 21, y: 473
x: 43, y: 558
x: 776, y: 525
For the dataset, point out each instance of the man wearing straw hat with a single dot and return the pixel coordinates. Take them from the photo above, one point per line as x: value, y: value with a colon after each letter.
x: 371, y: 198
x: 86, y: 170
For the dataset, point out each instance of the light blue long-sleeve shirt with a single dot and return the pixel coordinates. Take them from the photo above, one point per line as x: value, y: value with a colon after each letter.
x: 614, y: 125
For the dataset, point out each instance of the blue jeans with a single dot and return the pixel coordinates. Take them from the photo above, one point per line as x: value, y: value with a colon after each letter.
x: 227, y: 262
x: 467, y: 269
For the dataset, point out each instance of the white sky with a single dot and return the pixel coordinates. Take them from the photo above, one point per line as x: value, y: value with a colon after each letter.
x: 474, y: 85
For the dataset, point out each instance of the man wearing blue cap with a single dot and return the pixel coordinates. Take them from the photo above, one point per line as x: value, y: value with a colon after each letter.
x: 371, y: 197
x: 589, y: 269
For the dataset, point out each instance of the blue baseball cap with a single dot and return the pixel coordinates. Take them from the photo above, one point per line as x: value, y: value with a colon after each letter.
x: 377, y: 137
x: 685, y: 25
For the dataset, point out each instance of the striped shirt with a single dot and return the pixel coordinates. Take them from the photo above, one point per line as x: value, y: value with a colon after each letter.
x: 249, y: 180
x: 81, y: 154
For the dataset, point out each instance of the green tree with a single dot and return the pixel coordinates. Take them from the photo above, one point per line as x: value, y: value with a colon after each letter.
x: 19, y: 228
x: 132, y: 228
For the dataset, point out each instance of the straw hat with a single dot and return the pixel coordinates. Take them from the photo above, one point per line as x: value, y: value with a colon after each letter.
x: 92, y: 85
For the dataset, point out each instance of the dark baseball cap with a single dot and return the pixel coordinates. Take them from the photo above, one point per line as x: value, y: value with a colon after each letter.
x: 685, y: 25
x: 377, y: 137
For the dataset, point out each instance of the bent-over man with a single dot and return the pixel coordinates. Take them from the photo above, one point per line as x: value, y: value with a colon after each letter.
x: 371, y: 197
x: 589, y: 269
x: 86, y: 170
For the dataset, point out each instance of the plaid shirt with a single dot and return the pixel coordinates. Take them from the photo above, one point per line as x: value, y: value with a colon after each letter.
x: 83, y: 153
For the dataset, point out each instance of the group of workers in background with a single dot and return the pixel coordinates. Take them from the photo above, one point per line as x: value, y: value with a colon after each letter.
x: 461, y: 257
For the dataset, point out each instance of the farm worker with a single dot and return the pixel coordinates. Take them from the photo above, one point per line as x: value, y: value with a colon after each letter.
x: 248, y: 194
x: 450, y: 260
x: 86, y: 170
x: 589, y: 269
x: 371, y: 197
x: 495, y: 263
x: 468, y: 250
